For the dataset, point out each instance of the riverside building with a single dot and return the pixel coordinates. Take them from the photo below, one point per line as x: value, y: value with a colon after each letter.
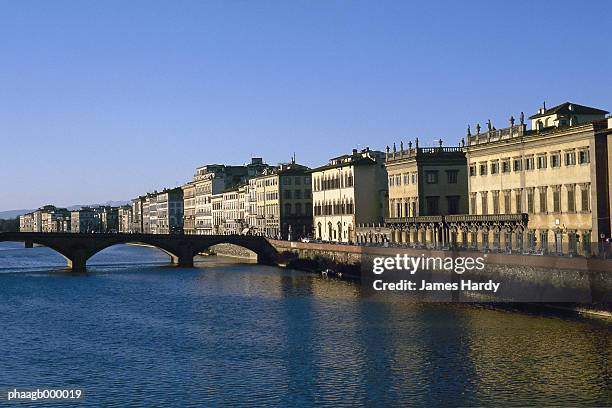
x: 189, y: 199
x: 125, y: 219
x: 351, y: 189
x: 169, y: 211
x: 558, y: 172
x: 423, y: 182
x: 214, y: 179
x: 284, y: 202
x: 85, y: 220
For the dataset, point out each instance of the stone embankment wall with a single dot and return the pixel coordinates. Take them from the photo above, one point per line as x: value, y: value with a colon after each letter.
x: 580, y: 282
x: 233, y: 251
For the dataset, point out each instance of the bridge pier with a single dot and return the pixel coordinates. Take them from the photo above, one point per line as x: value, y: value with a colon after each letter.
x: 77, y: 264
x: 29, y: 244
x: 263, y: 259
x: 185, y: 261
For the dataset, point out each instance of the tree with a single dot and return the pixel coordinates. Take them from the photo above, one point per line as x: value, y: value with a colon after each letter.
x: 11, y: 225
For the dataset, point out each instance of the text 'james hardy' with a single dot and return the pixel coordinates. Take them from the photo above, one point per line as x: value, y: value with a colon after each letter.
x: 404, y: 284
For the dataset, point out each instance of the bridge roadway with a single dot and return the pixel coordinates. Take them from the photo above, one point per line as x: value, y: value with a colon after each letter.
x: 78, y: 248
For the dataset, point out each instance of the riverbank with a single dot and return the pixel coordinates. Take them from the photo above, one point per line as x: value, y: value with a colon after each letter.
x: 583, y: 286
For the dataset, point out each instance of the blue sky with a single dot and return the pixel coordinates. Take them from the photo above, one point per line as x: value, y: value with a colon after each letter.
x: 106, y: 100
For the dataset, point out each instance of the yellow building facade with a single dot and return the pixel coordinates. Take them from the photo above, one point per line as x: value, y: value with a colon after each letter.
x: 558, y: 173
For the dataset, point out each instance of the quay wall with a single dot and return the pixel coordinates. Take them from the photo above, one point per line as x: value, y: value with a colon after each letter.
x: 579, y: 283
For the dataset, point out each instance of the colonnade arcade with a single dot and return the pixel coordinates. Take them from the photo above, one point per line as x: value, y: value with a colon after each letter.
x: 503, y: 232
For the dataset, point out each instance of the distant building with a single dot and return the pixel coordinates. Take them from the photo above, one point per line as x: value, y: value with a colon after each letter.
x: 350, y: 190
x: 233, y: 214
x: 213, y: 179
x: 169, y: 211
x: 250, y: 206
x: 109, y: 219
x: 26, y: 222
x: 150, y: 215
x: 189, y: 208
x: 54, y: 219
x: 137, y: 215
x: 217, y: 221
x: 284, y: 202
x: 125, y: 221
x: 85, y: 220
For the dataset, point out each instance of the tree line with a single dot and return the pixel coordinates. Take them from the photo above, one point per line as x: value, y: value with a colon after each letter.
x: 11, y: 225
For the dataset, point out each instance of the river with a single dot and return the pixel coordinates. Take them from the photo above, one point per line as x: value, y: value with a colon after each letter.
x: 136, y: 331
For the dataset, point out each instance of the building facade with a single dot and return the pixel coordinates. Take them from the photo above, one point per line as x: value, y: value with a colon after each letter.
x: 125, y: 221
x: 284, y: 202
x: 214, y: 179
x: 350, y: 190
x: 558, y: 172
x: 169, y: 211
x: 137, y: 215
x: 189, y: 208
x: 109, y: 219
x: 85, y: 220
x: 233, y: 211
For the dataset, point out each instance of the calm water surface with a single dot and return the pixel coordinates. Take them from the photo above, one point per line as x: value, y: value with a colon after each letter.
x: 134, y: 331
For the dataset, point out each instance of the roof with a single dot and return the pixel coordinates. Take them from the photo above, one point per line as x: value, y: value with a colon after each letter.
x: 569, y: 108
x: 352, y: 162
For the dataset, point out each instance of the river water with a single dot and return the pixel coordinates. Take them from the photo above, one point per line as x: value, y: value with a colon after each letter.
x: 135, y: 331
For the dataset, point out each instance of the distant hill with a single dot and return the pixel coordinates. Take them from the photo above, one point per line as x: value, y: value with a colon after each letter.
x: 7, y: 215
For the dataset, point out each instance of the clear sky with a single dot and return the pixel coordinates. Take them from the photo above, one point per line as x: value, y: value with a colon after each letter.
x: 105, y: 100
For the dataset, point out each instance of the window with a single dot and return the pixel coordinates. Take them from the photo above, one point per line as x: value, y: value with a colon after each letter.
x: 541, y: 161
x: 507, y: 205
x: 529, y: 163
x: 506, y: 166
x: 583, y: 156
x: 557, y: 199
x: 451, y: 176
x: 495, y: 202
x: 571, y: 199
x: 483, y: 199
x: 483, y: 169
x: 473, y: 203
x: 431, y: 177
x: 555, y: 160
x: 570, y: 158
x: 518, y: 198
x: 495, y: 167
x: 530, y: 206
x: 391, y: 181
x: 472, y: 170
x: 398, y: 180
x: 298, y: 194
x: 414, y: 178
x: 287, y: 193
x: 543, y: 201
x: 518, y: 164
x: 406, y: 179
x: 584, y: 195
x: 432, y: 205
x: 453, y: 204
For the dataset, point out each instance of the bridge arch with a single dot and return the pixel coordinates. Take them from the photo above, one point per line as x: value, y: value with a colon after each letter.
x: 78, y: 248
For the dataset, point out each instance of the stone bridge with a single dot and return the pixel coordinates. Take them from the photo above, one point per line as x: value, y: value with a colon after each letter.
x: 78, y: 248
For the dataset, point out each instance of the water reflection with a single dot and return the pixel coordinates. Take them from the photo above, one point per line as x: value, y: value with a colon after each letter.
x: 232, y: 334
